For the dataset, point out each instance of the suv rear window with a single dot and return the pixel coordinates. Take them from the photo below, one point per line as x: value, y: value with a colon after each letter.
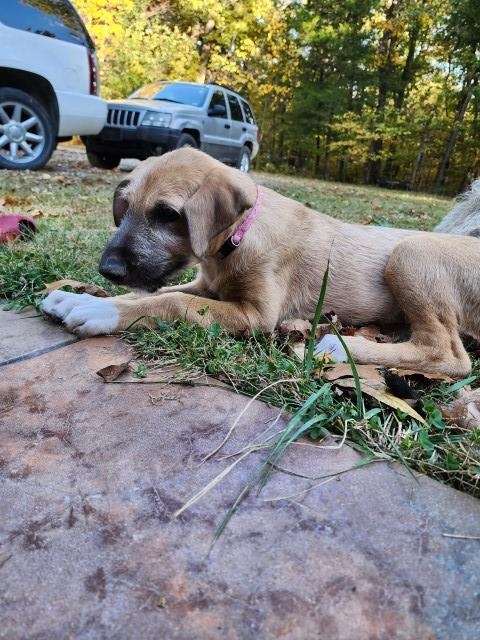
x: 235, y: 108
x: 51, y: 18
x: 248, y: 112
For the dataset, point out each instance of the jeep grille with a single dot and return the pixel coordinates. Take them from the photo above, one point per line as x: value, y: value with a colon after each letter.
x: 125, y: 118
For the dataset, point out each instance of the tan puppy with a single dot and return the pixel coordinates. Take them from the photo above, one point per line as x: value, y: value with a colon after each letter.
x: 180, y: 208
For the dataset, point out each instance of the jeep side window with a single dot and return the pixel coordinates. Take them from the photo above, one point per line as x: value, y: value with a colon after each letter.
x: 51, y: 18
x: 235, y: 108
x: 248, y: 112
x: 218, y: 100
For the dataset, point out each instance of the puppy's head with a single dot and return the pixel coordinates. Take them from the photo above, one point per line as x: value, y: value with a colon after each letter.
x: 167, y: 212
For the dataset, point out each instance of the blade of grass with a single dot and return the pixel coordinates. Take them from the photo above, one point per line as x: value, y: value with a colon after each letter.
x: 460, y: 384
x: 356, y: 377
x: 316, y: 320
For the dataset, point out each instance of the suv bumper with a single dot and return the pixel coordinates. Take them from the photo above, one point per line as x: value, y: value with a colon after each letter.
x: 140, y: 142
x: 80, y: 114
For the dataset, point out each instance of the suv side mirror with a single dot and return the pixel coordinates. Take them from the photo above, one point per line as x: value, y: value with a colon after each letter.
x: 217, y: 111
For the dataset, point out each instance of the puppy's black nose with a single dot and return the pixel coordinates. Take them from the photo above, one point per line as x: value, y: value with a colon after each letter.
x: 113, y: 268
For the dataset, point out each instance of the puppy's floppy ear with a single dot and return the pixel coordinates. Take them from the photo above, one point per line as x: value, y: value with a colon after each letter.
x: 120, y: 202
x: 221, y: 198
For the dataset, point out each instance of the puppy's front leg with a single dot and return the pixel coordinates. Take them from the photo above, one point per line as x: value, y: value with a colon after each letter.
x: 235, y: 317
x: 88, y: 316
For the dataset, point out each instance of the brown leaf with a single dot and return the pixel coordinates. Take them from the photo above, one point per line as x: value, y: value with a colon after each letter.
x: 322, y: 330
x: 465, y: 411
x: 372, y: 332
x: 13, y: 201
x: 298, y: 327
x: 380, y: 393
x: 366, y: 372
x: 411, y: 373
x: 78, y: 287
x: 36, y: 213
x: 112, y: 371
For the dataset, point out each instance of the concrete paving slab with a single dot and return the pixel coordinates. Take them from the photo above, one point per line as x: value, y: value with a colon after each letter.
x: 91, y: 474
x: 23, y: 336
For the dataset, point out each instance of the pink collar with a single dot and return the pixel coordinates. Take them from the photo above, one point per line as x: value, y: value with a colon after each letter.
x: 233, y: 241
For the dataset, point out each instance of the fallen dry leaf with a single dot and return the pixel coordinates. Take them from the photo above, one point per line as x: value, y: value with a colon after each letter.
x: 411, y: 373
x: 36, y: 213
x: 381, y: 394
x: 372, y: 332
x: 78, y: 287
x: 297, y: 327
x: 13, y: 201
x: 112, y: 371
x: 322, y: 331
x: 465, y: 411
x: 343, y: 370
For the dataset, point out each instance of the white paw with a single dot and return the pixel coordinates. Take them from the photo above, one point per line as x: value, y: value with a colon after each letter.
x: 331, y: 345
x: 82, y: 314
x: 96, y: 318
x: 58, y: 304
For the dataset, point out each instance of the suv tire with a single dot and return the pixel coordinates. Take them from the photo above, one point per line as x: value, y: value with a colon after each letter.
x: 27, y: 131
x: 244, y: 160
x: 186, y: 140
x: 102, y: 160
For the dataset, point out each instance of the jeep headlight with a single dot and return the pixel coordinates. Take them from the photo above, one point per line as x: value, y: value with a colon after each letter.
x: 156, y: 119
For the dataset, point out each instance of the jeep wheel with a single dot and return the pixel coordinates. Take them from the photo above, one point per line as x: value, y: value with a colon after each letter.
x: 244, y: 160
x: 102, y: 160
x: 186, y: 140
x: 27, y: 132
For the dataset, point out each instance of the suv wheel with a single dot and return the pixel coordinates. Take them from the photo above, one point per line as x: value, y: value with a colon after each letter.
x: 102, y: 160
x: 244, y: 160
x: 27, y: 132
x: 186, y: 140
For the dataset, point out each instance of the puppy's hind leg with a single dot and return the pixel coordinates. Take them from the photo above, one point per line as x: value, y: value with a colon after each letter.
x: 426, y: 289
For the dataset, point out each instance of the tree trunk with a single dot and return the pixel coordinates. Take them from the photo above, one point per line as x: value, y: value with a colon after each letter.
x: 317, y: 156
x: 463, y: 102
x: 204, y: 60
x: 420, y: 154
x: 386, y: 48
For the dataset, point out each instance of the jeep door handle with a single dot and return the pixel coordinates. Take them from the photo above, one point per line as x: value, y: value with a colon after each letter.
x: 227, y: 126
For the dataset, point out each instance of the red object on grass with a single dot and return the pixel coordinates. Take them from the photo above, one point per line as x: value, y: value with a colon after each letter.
x: 13, y: 225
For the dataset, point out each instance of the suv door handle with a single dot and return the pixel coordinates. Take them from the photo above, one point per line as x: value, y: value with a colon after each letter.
x: 227, y: 126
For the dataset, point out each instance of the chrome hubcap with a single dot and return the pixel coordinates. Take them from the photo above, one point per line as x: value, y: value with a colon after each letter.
x: 245, y: 163
x: 22, y: 135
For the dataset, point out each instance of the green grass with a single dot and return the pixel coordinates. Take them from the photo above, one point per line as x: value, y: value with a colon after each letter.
x: 75, y: 225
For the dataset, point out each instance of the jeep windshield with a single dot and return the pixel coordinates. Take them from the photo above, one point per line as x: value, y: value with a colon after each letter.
x: 172, y: 92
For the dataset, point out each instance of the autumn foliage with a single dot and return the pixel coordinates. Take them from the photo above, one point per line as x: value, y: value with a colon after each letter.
x: 377, y: 91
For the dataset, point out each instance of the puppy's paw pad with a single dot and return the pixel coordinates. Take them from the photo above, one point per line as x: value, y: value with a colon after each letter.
x: 331, y: 346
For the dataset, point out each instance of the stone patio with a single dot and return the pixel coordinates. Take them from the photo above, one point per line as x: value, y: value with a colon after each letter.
x: 92, y: 473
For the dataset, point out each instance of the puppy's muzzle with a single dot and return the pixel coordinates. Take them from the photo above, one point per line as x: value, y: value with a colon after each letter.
x: 113, y: 267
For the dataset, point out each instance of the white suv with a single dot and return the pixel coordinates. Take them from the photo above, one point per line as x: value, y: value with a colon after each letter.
x: 48, y: 81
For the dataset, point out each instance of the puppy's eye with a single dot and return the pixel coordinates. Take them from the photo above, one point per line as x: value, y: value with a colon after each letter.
x: 164, y: 213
